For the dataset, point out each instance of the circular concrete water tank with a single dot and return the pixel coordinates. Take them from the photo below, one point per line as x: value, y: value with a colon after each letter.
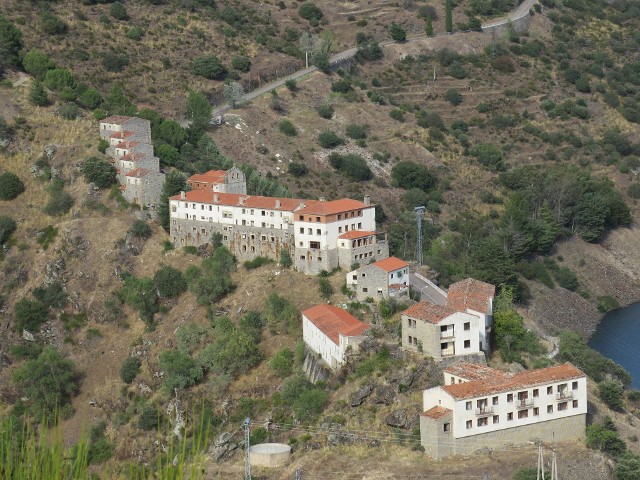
x: 269, y: 454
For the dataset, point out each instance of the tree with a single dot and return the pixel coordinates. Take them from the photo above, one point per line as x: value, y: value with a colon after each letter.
x: 37, y: 63
x: 233, y: 92
x: 448, y: 16
x: 118, y: 11
x: 453, y: 96
x: 130, y: 369
x: 285, y: 259
x: 169, y: 282
x: 198, y: 110
x: 53, y: 25
x: 181, y: 371
x: 8, y: 226
x: 10, y: 43
x: 489, y: 155
x: 117, y: 103
x: 326, y: 289
x: 140, y: 294
x: 209, y: 66
x: 407, y: 174
x: 37, y: 95
x: 397, y: 33
x: 492, y: 264
x: 58, y: 78
x: 99, y: 172
x: 90, y: 99
x: 10, y: 186
x: 175, y: 182
x: 548, y: 229
x: 141, y: 229
x: 49, y: 382
x: 310, y: 12
x: 286, y: 127
x: 329, y: 139
x: 171, y: 132
x: 591, y: 215
x: 30, y: 314
x: 428, y: 26
x: 611, y: 393
x: 242, y: 64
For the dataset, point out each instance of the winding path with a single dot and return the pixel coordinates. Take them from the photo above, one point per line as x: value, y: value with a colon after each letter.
x: 217, y: 111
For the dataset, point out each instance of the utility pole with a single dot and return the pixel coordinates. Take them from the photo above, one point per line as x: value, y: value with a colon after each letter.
x: 540, y: 473
x: 419, y: 212
x: 247, y: 464
x: 554, y: 466
x: 298, y: 474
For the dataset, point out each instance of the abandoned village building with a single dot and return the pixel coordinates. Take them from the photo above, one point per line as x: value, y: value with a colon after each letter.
x: 318, y: 234
x: 131, y: 151
x: 387, y: 278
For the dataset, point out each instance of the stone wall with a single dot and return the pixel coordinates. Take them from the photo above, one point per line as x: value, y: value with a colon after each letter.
x: 374, y: 278
x: 520, y: 24
x: 310, y: 263
x: 438, y: 443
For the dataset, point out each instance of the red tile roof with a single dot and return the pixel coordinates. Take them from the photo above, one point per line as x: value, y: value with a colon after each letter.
x: 138, y: 173
x: 212, y: 176
x: 397, y: 286
x: 356, y: 234
x: 334, y: 321
x: 437, y: 412
x: 506, y: 383
x: 133, y: 156
x: 116, y: 119
x: 234, y: 199
x: 316, y: 207
x: 390, y: 264
x: 429, y: 312
x: 470, y: 294
x: 473, y: 371
x: 122, y: 134
x: 127, y: 145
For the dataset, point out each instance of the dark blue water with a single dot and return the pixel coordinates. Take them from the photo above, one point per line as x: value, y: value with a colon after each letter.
x: 618, y: 337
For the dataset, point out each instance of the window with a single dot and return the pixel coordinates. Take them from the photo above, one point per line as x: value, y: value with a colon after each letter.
x: 301, y: 230
x: 575, y: 404
x: 536, y: 411
x: 446, y: 427
x: 549, y: 408
x: 244, y: 211
x: 339, y: 216
x: 574, y: 386
x: 310, y: 231
x: 359, y: 226
x: 317, y: 219
x: 412, y: 323
x: 562, y: 388
x: 301, y: 218
x: 467, y: 344
x: 340, y: 231
x: 536, y: 392
x: 469, y: 424
x: 496, y: 419
x: 314, y: 245
x: 549, y: 390
x: 523, y: 414
x: 365, y: 289
x: 494, y: 400
x: 562, y: 406
x: 510, y: 416
x: 482, y: 422
x: 469, y: 405
x: 318, y: 231
x: 264, y: 214
x: 467, y: 326
x: 301, y: 257
x: 510, y: 397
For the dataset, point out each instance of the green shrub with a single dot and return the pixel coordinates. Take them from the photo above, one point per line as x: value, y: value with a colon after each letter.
x: 115, y: 62
x: 53, y: 25
x: 351, y: 165
x: 118, y: 11
x: 490, y: 156
x: 355, y: 131
x: 52, y: 295
x: 605, y: 439
x: 627, y: 467
x: 37, y: 63
x: 73, y: 321
x: 282, y: 363
x: 397, y: 33
x: 46, y: 236
x: 209, y: 66
x: 280, y: 315
x: 526, y: 473
x: 329, y: 139
x: 407, y: 174
x: 58, y: 78
x: 181, y: 371
x: 90, y: 99
x: 326, y: 289
x: 310, y: 12
x: 258, y: 435
x: 611, y: 393
x: 257, y: 262
x: 567, y: 278
x: 149, y: 419
x: 100, y: 449
x: 135, y: 33
x: 341, y: 86
x: 634, y: 190
x: 286, y: 127
x: 397, y: 114
x: 30, y: 314
x: 242, y: 64
x: 456, y: 70
x: 140, y: 294
x: 297, y: 169
x: 130, y: 369
x: 325, y: 111
x: 99, y: 172
x: 141, y: 229
x: 453, y: 97
x: 426, y: 119
x: 607, y: 303
x: 169, y: 282
x: 285, y: 259
x: 10, y: 186
x: 7, y: 227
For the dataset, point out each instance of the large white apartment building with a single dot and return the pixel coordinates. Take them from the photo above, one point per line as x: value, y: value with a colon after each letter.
x: 482, y: 407
x: 254, y: 226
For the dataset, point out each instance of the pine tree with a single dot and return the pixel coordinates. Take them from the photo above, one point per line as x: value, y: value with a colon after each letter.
x: 38, y: 96
x: 448, y: 16
x: 428, y: 26
x: 548, y: 229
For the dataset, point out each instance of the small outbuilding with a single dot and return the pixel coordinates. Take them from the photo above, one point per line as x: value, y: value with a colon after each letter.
x: 382, y: 279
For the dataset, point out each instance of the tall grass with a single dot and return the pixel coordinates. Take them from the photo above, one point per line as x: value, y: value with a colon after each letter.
x: 27, y: 453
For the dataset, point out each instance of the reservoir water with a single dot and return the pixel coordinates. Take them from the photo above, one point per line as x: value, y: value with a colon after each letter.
x: 618, y: 337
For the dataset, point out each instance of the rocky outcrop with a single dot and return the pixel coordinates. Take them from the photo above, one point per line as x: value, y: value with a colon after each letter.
x: 361, y: 395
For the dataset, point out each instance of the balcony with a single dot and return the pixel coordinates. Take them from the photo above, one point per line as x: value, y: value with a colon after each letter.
x: 566, y: 395
x: 524, y: 403
x: 484, y: 411
x: 447, y: 334
x: 447, y: 352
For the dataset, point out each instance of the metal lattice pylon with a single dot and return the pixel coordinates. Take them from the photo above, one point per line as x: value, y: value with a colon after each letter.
x: 247, y: 464
x: 419, y: 212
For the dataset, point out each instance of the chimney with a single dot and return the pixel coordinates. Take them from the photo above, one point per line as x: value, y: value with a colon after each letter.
x: 367, y: 200
x: 277, y: 203
x: 241, y: 200
x: 322, y: 199
x: 215, y: 198
x: 183, y: 196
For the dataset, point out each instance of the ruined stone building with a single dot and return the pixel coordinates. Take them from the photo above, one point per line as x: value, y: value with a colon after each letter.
x: 131, y: 151
x: 316, y: 233
x: 220, y: 181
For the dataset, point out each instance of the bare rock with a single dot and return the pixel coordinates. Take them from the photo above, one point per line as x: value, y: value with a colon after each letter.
x: 397, y: 418
x: 361, y: 395
x: 28, y: 336
x: 50, y: 151
x: 54, y: 271
x: 385, y: 394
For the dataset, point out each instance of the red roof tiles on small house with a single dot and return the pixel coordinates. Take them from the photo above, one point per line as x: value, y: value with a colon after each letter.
x: 505, y: 382
x: 137, y: 173
x: 322, y: 208
x: 133, y: 156
x: 116, y: 120
x: 470, y: 294
x: 334, y: 321
x: 122, y: 134
x: 437, y: 412
x: 353, y: 234
x: 390, y: 264
x: 212, y: 176
x: 127, y: 145
x: 429, y: 312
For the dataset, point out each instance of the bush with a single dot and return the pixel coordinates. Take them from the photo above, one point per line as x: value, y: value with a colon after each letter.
x: 503, y: 64
x: 611, y: 393
x: 52, y: 295
x: 98, y: 171
x: 115, y: 62
x: 329, y: 139
x: 285, y: 259
x: 282, y: 363
x: 298, y: 169
x: 181, y: 371
x: 397, y: 114
x: 118, y: 11
x: 526, y: 473
x: 286, y: 127
x: 325, y: 111
x: 52, y: 24
x: 58, y: 78
x: 90, y: 99
x: 567, y: 278
x: 209, y: 66
x: 310, y: 12
x: 129, y: 369
x: 407, y: 174
x: 606, y: 440
x: 430, y: 119
x: 607, y: 303
x: 37, y: 63
x: 453, y: 97
x: 30, y: 314
x: 140, y: 294
x: 279, y: 314
x: 242, y: 64
x: 397, y: 33
x: 634, y: 190
x: 100, y: 449
x: 69, y: 111
x: 326, y: 289
x: 456, y: 70
x: 149, y: 419
x: 341, y: 86
x: 10, y: 186
x: 351, y: 165
x: 135, y: 33
x: 7, y: 227
x: 355, y: 131
x: 141, y: 229
x: 257, y: 262
x: 169, y: 282
x: 490, y: 156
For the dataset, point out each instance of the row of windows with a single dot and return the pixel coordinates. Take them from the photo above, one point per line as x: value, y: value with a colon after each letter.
x: 353, y: 227
x: 303, y: 257
x: 481, y: 422
x: 523, y: 396
x: 310, y: 231
x: 310, y: 218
